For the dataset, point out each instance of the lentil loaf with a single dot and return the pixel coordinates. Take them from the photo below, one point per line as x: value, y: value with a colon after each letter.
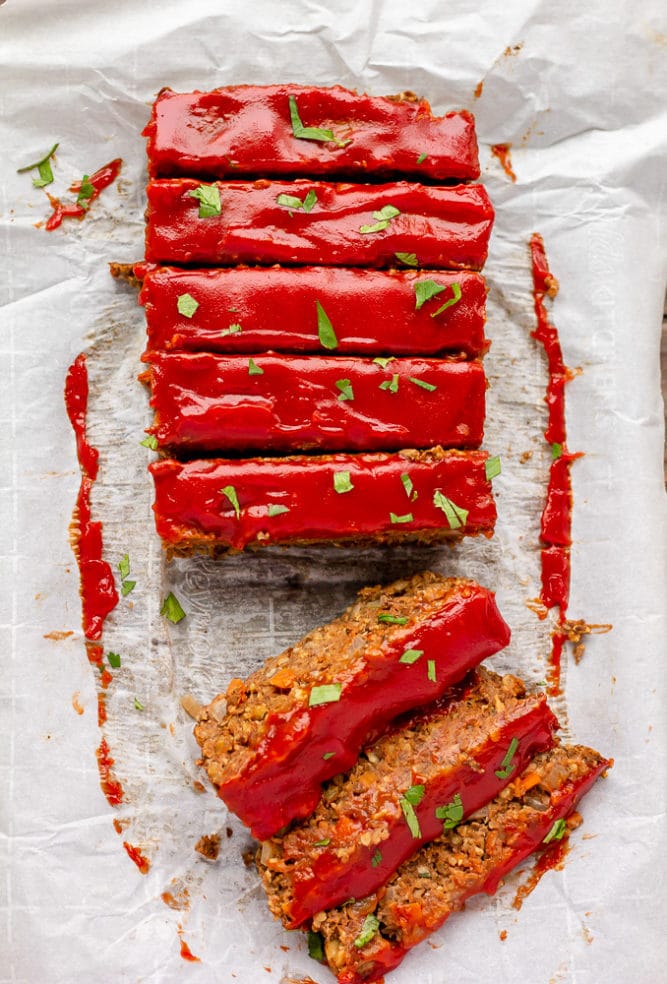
x: 224, y: 505
x: 270, y: 741
x: 365, y: 939
x: 275, y: 404
x: 448, y: 759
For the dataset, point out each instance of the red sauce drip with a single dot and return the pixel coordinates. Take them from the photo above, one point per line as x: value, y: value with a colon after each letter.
x: 101, y: 709
x: 111, y: 787
x: 74, y: 210
x: 186, y: 952
x: 502, y: 152
x: 551, y: 859
x: 142, y: 862
x: 556, y: 520
x: 98, y: 589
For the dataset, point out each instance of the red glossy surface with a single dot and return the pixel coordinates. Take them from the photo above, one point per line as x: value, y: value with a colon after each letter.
x: 283, y: 403
x: 443, y: 226
x: 345, y: 867
x: 372, y: 312
x: 191, y: 510
x: 98, y: 589
x: 73, y: 210
x: 520, y: 842
x: 247, y: 129
x: 283, y: 783
x: 555, y: 577
x: 556, y: 517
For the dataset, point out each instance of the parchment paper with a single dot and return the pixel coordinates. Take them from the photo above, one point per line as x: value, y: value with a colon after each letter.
x: 579, y: 91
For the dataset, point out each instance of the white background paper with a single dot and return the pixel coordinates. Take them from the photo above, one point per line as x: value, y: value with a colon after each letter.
x: 578, y: 90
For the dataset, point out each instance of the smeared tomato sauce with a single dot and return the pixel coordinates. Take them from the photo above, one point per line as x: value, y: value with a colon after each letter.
x: 502, y: 152
x: 78, y: 210
x: 556, y: 520
x: 141, y: 861
x: 98, y: 589
x: 111, y: 787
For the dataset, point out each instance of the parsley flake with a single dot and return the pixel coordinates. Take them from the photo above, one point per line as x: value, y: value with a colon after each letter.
x: 414, y: 795
x: 388, y: 619
x: 456, y: 516
x: 43, y: 167
x: 149, y: 442
x: 171, y: 608
x: 291, y: 201
x: 302, y: 132
x: 254, y: 369
x: 451, y: 813
x: 383, y: 216
x: 232, y: 330
x: 410, y: 490
x: 557, y: 831
x: 556, y: 451
x: 492, y: 467
x: 377, y: 858
x: 328, y: 693
x: 127, y: 586
x: 422, y: 157
x: 411, y: 656
x: 342, y: 482
x: 410, y: 817
x: 209, y: 200
x: 369, y: 928
x: 328, y: 755
x: 114, y: 660
x: 124, y: 566
x: 383, y: 361
x: 187, y: 305
x: 430, y: 671
x: 139, y: 706
x: 274, y: 509
x: 421, y: 383
x: 507, y: 766
x: 315, y: 946
x: 325, y: 331
x: 391, y: 384
x: 230, y: 492
x: 86, y: 192
x: 323, y: 843
x: 410, y: 259
x: 454, y: 299
x: 425, y: 290
x: 345, y: 387
x: 405, y: 518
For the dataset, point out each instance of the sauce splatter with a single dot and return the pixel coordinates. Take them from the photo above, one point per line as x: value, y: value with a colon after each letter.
x: 180, y: 900
x: 58, y: 635
x: 551, y: 859
x: 111, y: 787
x: 78, y: 209
x: 141, y: 861
x: 75, y: 702
x: 186, y: 952
x: 556, y: 520
x: 502, y: 152
x: 97, y: 585
x: 479, y: 88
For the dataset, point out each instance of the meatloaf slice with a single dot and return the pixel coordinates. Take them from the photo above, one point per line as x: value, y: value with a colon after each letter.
x: 188, y: 222
x: 301, y: 129
x: 367, y: 938
x: 222, y: 505
x: 275, y: 404
x: 447, y: 760
x: 313, y: 309
x: 271, y: 740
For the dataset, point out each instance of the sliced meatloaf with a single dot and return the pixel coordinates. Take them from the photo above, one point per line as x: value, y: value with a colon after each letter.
x: 270, y: 741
